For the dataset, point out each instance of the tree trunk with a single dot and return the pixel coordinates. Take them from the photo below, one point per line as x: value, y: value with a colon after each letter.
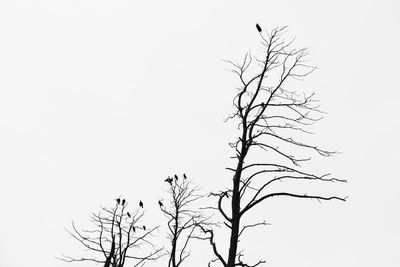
x: 175, y: 238
x: 235, y: 213
x: 233, y: 242
x: 112, y: 251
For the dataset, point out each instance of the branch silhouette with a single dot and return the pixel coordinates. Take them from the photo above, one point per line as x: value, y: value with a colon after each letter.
x: 116, y: 238
x: 269, y: 116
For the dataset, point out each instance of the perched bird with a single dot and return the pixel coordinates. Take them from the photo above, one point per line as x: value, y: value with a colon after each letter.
x: 258, y: 28
x: 184, y: 176
x: 140, y: 204
x: 144, y: 227
x: 168, y: 180
x: 118, y: 200
x: 129, y: 215
x: 133, y: 228
x: 123, y: 202
x: 176, y: 177
x: 160, y: 203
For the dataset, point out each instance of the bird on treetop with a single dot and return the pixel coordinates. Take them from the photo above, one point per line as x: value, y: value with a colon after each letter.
x: 129, y: 215
x: 118, y: 200
x: 258, y: 28
x: 144, y: 227
x: 176, y: 177
x: 160, y: 203
x: 184, y: 176
x: 133, y: 228
x: 140, y: 204
x: 168, y: 180
x: 123, y: 202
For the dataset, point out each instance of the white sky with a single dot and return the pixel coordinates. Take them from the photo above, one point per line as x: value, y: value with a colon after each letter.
x: 101, y: 98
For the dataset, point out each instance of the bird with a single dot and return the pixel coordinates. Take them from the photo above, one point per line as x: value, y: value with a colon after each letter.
x: 118, y: 200
x: 144, y: 227
x: 133, y: 228
x: 184, y: 176
x: 258, y: 28
x: 168, y: 180
x: 123, y: 202
x: 140, y: 204
x: 160, y: 203
x: 129, y: 215
x: 176, y: 177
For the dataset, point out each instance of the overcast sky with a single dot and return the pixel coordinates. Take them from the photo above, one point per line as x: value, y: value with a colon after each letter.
x: 102, y: 98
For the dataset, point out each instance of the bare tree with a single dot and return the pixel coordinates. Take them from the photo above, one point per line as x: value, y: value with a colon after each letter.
x: 269, y: 113
x: 118, y: 237
x: 183, y: 218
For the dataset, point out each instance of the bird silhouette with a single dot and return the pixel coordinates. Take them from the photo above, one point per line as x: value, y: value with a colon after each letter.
x: 168, y: 180
x: 176, y: 177
x: 129, y: 215
x: 258, y: 28
x: 123, y: 202
x: 184, y: 176
x: 144, y: 227
x: 160, y: 203
x: 118, y: 200
x: 140, y: 204
x: 133, y: 228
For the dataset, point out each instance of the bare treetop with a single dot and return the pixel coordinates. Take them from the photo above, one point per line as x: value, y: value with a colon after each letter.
x: 270, y: 115
x: 116, y: 238
x: 183, y: 218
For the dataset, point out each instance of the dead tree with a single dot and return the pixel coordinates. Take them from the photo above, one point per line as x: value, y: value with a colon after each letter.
x: 269, y: 114
x: 115, y: 238
x: 183, y: 218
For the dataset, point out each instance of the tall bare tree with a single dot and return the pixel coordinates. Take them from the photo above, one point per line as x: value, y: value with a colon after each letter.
x: 269, y: 115
x: 117, y: 237
x: 183, y: 218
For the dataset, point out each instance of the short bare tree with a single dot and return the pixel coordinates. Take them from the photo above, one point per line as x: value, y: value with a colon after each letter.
x: 269, y: 115
x: 117, y: 237
x: 184, y: 220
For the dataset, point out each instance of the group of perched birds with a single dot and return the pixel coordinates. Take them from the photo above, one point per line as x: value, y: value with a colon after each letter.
x: 119, y: 202
x: 134, y: 228
x: 170, y: 179
x: 124, y: 201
